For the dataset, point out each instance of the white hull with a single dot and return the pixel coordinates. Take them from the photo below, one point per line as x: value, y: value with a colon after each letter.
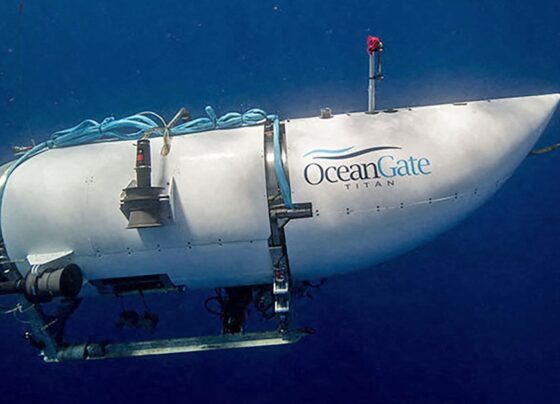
x: 447, y: 160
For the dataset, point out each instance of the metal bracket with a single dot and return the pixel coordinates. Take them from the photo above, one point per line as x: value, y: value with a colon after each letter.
x: 279, y: 216
x: 166, y: 207
x: 142, y: 202
x: 37, y: 260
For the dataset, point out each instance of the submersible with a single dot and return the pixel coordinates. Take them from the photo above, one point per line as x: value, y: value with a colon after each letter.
x: 247, y: 203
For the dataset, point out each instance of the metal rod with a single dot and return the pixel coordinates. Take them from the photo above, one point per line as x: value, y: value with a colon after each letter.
x: 96, y: 351
x: 371, y: 87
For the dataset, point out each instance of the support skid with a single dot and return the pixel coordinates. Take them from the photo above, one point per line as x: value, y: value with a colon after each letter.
x: 95, y: 351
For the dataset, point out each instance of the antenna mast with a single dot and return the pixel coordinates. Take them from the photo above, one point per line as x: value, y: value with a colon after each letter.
x: 374, y: 49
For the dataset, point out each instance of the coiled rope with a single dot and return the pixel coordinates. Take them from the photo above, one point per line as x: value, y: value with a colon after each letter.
x: 141, y: 125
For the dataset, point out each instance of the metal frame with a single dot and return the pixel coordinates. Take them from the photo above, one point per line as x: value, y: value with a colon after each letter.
x: 280, y: 215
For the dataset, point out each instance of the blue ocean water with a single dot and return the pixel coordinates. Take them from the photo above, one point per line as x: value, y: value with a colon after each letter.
x: 471, y: 317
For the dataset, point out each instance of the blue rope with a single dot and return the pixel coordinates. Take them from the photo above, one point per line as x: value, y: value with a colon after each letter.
x: 136, y: 126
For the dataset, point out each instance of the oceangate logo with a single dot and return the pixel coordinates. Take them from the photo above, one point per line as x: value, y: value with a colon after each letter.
x: 340, y: 166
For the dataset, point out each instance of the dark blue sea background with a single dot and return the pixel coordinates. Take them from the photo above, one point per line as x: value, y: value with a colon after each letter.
x: 472, y: 317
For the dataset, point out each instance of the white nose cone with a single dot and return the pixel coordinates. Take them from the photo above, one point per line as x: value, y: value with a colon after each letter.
x: 509, y: 129
x: 385, y: 183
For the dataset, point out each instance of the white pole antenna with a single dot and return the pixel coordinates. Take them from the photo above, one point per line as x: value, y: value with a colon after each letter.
x: 374, y: 49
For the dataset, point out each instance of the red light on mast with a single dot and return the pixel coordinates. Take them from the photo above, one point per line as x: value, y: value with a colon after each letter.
x: 373, y: 44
